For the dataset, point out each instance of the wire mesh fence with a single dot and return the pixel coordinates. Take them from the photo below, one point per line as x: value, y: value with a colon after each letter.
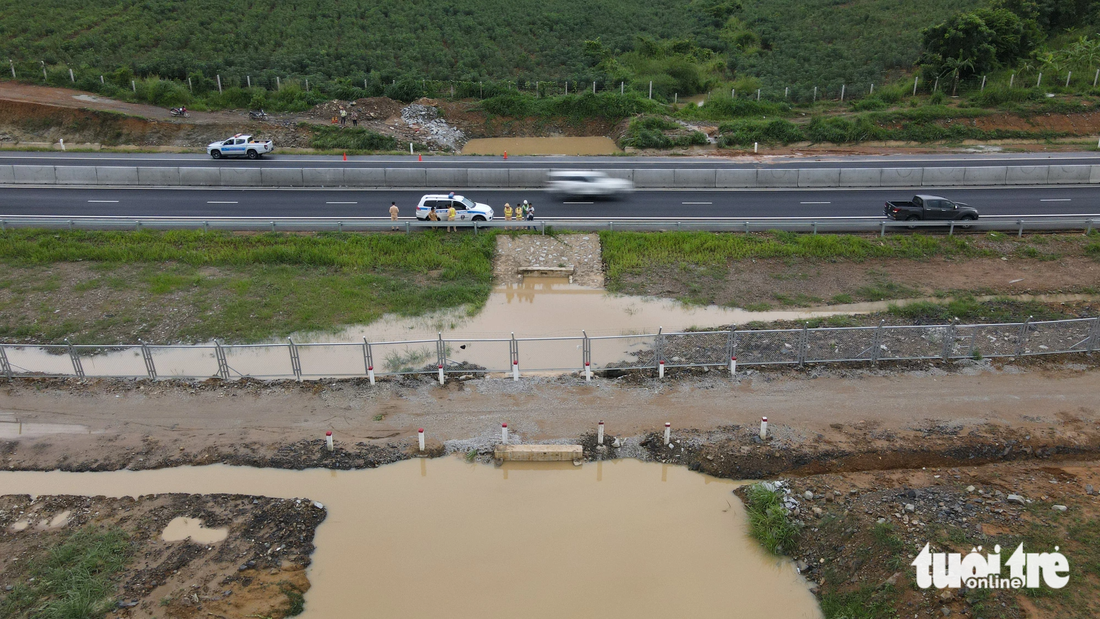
x: 646, y: 351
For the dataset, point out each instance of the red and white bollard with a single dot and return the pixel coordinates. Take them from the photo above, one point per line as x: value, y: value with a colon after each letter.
x: 733, y: 366
x: 504, y: 433
x: 661, y: 368
x: 587, y: 372
x: 441, y: 375
x: 370, y: 374
x: 328, y: 440
x: 599, y: 434
x: 668, y: 432
x: 515, y: 370
x: 420, y: 436
x: 763, y: 428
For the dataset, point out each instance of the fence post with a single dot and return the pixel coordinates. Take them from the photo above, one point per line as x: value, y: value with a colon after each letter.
x: 77, y: 366
x: 731, y: 350
x: 872, y: 90
x: 223, y: 364
x: 1068, y: 75
x: 220, y: 84
x: 842, y: 92
x: 786, y: 89
x: 1020, y: 232
x: 915, y: 80
x: 803, y: 344
x: 949, y: 341
x: 1021, y: 339
x: 368, y: 359
x: 951, y: 229
x: 882, y: 228
x: 658, y: 346
x: 983, y: 84
x: 1097, y: 77
x: 586, y: 356
x: 295, y: 361
x: 936, y: 85
x: 1039, y: 81
x: 876, y: 343
x: 5, y: 367
x: 513, y: 357
x: 1011, y: 79
x: 1088, y: 227
x: 815, y: 94
x: 757, y: 94
x: 190, y: 88
x: 12, y: 66
x: 147, y: 355
x: 73, y: 78
x: 441, y: 354
x: 1094, y: 341
x: 248, y: 78
x: 650, y: 86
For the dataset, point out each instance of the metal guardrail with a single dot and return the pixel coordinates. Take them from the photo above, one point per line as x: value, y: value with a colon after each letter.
x: 724, y: 350
x: 1006, y: 223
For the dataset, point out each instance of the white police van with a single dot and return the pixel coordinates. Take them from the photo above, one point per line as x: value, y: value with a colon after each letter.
x: 465, y: 208
x: 239, y: 146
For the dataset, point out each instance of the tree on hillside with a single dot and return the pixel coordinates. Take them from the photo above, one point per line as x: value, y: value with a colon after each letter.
x: 1014, y: 36
x: 964, y: 40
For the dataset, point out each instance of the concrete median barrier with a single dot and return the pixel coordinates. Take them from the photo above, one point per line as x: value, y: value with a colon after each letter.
x: 406, y: 177
x: 687, y: 178
x: 34, y: 174
x: 860, y: 177
x: 1069, y: 174
x: 322, y: 177
x: 623, y: 174
x: 281, y: 177
x: 7, y: 175
x: 654, y: 179
x: 777, y: 178
x: 491, y: 177
x: 527, y: 178
x: 1027, y: 175
x: 117, y: 175
x: 901, y: 177
x: 989, y: 175
x: 241, y: 177
x: 943, y: 177
x: 364, y: 177
x: 819, y: 177
x: 200, y: 177
x: 729, y: 179
x: 75, y: 175
x: 158, y: 177
x: 447, y: 178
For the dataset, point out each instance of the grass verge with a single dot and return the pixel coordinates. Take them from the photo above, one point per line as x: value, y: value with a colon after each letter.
x: 71, y: 580
x: 114, y: 287
x: 769, y: 522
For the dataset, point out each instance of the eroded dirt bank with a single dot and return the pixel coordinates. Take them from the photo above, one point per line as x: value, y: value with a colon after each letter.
x: 257, y: 570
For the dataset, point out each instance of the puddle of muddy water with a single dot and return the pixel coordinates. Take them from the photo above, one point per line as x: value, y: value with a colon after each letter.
x: 595, y: 145
x: 11, y: 427
x: 192, y: 528
x: 441, y: 537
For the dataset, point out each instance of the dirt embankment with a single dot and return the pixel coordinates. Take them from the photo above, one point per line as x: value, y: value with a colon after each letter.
x: 257, y: 570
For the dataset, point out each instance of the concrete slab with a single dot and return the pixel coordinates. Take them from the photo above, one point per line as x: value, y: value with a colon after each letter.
x: 527, y: 178
x: 447, y: 178
x: 777, y: 177
x: 695, y: 179
x: 1027, y: 175
x: 734, y: 178
x: 117, y: 175
x: 943, y: 176
x: 7, y: 175
x: 281, y: 177
x: 648, y: 178
x: 537, y: 271
x: 200, y: 177
x: 860, y: 177
x: 75, y: 175
x: 1069, y: 174
x: 487, y: 177
x: 407, y: 177
x: 819, y: 177
x: 901, y: 177
x: 158, y: 177
x: 34, y: 174
x: 322, y: 177
x: 241, y: 177
x: 627, y: 174
x: 364, y: 177
x: 985, y: 175
x: 538, y: 453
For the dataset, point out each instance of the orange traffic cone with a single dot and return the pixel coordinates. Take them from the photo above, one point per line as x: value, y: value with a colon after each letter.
x: 420, y: 157
x: 345, y: 156
x: 505, y: 154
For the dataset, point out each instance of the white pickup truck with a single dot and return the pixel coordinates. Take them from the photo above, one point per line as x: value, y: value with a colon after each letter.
x: 239, y: 146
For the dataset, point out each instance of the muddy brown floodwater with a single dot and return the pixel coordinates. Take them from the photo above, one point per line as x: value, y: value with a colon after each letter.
x: 595, y: 145
x: 442, y: 537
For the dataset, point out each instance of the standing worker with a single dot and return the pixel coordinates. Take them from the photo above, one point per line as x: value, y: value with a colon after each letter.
x: 530, y: 213
x: 507, y: 215
x: 393, y: 215
x: 355, y: 119
x: 343, y: 117
x: 451, y: 214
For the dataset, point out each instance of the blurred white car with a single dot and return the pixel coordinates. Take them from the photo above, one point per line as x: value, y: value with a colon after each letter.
x: 590, y: 184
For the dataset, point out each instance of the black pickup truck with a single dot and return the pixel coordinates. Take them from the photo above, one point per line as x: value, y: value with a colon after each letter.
x: 930, y: 208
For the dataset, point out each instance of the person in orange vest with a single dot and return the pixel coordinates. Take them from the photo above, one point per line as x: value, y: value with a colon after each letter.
x: 451, y: 214
x: 507, y: 215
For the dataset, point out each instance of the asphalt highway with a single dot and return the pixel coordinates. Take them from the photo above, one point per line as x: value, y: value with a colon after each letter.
x: 288, y: 160
x: 821, y: 203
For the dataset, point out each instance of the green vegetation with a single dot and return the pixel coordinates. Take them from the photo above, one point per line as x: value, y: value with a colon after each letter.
x: 967, y: 309
x: 585, y: 105
x: 863, y: 603
x: 769, y: 522
x: 236, y: 287
x: 349, y: 139
x: 651, y: 132
x: 72, y: 580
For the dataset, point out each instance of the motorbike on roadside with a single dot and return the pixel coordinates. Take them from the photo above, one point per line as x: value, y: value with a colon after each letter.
x: 260, y: 115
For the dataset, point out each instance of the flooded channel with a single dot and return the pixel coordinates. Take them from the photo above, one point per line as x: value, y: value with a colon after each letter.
x: 442, y: 537
x: 593, y: 145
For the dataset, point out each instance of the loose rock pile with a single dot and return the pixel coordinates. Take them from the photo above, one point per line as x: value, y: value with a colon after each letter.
x: 430, y: 128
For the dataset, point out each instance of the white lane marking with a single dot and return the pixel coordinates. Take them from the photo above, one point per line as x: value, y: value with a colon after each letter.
x: 1056, y: 200
x: 576, y: 203
x: 815, y: 202
x: 220, y: 202
x: 103, y: 201
x: 341, y: 203
x: 696, y: 203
